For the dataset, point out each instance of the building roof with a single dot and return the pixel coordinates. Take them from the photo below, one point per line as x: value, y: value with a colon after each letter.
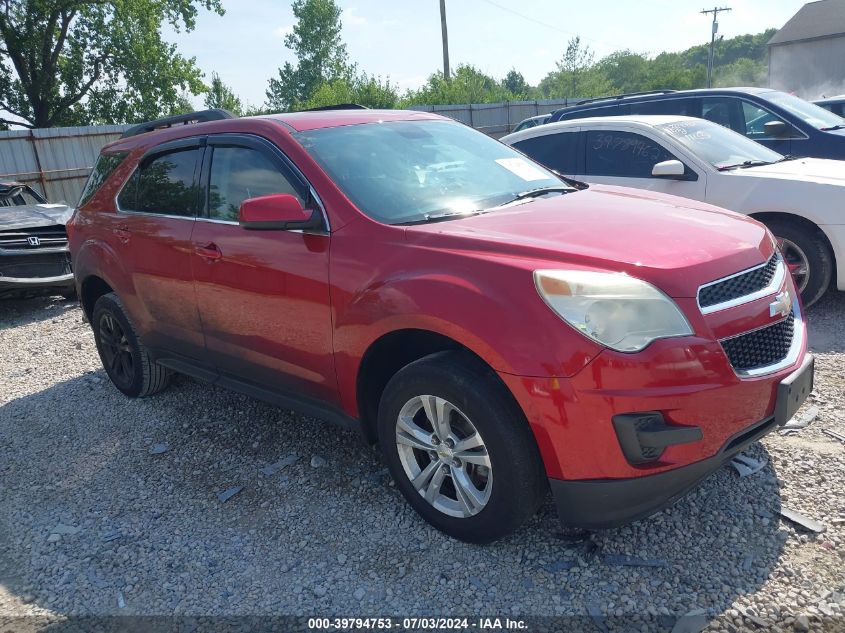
x: 824, y: 18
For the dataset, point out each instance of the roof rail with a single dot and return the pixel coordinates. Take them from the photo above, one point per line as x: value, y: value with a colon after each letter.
x: 622, y: 96
x: 339, y: 106
x: 216, y: 114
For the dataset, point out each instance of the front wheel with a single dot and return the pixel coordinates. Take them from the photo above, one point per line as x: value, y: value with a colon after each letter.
x: 807, y: 257
x: 125, y: 359
x: 459, y: 448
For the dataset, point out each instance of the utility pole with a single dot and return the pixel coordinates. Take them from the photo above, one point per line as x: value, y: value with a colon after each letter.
x: 715, y: 11
x: 445, y: 34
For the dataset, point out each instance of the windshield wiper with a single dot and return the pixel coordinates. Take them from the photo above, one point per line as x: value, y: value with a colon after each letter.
x: 838, y: 126
x: 787, y: 157
x: 540, y: 191
x: 440, y: 217
x: 744, y: 164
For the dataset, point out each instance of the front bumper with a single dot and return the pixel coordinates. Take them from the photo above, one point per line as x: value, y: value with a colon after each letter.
x: 36, y: 271
x: 594, y: 484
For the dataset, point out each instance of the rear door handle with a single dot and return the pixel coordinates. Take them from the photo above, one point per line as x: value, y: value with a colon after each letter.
x: 209, y: 251
x: 122, y: 233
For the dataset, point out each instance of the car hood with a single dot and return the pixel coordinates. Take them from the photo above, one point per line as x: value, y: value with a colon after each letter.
x: 33, y: 215
x: 674, y: 243
x: 814, y: 170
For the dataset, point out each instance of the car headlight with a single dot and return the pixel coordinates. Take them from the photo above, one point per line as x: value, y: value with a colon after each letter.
x: 614, y: 309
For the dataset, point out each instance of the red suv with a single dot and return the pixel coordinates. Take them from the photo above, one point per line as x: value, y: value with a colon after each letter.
x: 497, y: 329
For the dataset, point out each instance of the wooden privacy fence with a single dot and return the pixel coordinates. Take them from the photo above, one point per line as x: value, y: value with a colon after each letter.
x: 57, y: 161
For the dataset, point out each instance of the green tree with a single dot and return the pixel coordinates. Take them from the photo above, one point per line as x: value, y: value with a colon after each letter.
x: 220, y: 95
x: 320, y: 52
x: 71, y: 62
x: 466, y: 85
x: 364, y: 90
x: 577, y: 75
x: 515, y: 83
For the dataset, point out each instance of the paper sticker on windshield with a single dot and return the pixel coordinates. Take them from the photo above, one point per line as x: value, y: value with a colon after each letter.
x: 522, y: 168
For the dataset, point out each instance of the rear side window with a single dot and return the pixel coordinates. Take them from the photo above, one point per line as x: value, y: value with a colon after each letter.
x: 106, y: 164
x: 555, y: 151
x: 164, y: 185
x: 623, y: 154
x: 239, y: 173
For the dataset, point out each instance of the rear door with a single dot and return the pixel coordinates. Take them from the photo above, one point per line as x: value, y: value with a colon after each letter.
x: 560, y: 150
x: 151, y: 232
x: 263, y: 295
x: 626, y: 158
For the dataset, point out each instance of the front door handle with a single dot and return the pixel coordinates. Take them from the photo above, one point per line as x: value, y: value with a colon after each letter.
x: 209, y: 251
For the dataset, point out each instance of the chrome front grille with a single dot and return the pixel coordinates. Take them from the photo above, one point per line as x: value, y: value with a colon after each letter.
x: 34, y: 238
x: 743, y: 286
x: 761, y: 348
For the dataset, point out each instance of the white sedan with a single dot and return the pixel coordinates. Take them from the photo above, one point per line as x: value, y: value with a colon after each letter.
x: 802, y: 200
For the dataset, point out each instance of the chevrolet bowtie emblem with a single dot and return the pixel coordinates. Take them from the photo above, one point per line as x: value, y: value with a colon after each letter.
x: 781, y: 306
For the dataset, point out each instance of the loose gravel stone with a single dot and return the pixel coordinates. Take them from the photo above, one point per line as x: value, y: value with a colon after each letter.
x: 75, y: 452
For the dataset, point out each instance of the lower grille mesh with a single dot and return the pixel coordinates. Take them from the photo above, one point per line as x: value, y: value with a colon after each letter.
x: 760, y: 348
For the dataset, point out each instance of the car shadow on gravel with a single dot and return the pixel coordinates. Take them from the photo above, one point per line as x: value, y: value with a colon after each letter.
x: 15, y: 312
x: 826, y: 323
x: 204, y: 502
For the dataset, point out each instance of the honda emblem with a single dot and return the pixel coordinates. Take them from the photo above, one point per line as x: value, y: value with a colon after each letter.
x: 33, y: 241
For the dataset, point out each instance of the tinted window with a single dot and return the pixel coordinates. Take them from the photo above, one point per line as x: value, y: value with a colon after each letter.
x: 238, y: 173
x: 555, y: 151
x: 684, y: 107
x: 164, y: 184
x: 718, y: 110
x: 622, y: 154
x: 106, y: 164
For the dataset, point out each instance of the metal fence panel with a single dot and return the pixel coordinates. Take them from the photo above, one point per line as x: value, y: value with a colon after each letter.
x: 55, y: 161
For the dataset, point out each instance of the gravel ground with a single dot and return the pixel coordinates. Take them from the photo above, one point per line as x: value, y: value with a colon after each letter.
x: 110, y: 506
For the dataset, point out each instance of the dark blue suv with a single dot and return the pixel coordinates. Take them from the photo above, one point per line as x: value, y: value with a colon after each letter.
x: 780, y: 121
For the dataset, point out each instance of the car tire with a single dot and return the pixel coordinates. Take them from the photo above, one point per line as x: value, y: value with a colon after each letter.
x: 125, y: 359
x: 806, y: 247
x: 470, y: 501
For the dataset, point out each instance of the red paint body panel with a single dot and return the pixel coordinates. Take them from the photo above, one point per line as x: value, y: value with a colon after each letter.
x: 298, y: 311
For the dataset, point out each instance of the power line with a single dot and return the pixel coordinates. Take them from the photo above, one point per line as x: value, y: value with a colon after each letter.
x: 529, y: 18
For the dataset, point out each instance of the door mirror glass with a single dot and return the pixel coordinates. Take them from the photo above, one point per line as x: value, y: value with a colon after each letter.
x: 277, y: 212
x: 777, y: 129
x: 669, y: 169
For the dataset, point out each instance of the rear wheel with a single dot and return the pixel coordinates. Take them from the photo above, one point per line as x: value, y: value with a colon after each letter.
x: 459, y: 448
x: 125, y: 359
x: 807, y: 257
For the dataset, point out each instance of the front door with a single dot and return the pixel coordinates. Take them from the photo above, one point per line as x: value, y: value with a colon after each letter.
x: 617, y: 157
x: 151, y: 232
x: 263, y: 296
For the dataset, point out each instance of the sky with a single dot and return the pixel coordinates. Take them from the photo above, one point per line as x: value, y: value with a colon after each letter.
x: 400, y: 39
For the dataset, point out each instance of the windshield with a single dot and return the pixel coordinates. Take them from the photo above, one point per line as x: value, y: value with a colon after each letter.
x: 718, y: 145
x: 406, y: 171
x: 808, y: 112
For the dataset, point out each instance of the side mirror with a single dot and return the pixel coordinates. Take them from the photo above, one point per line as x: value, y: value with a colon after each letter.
x: 673, y: 169
x: 278, y: 212
x: 777, y: 129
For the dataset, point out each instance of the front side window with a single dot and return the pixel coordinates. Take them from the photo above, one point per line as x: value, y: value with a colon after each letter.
x: 165, y: 184
x: 239, y: 173
x: 408, y: 171
x: 622, y: 154
x: 719, y: 146
x: 718, y: 110
x: 555, y: 151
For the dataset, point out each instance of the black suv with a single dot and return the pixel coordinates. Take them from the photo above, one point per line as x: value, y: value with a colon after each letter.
x: 782, y: 122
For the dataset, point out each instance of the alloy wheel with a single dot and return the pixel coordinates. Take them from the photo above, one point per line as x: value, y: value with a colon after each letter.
x: 117, y: 352
x: 444, y: 456
x: 796, y: 262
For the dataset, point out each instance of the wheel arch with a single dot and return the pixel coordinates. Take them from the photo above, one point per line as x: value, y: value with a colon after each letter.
x: 92, y: 288
x: 767, y: 216
x: 391, y: 352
